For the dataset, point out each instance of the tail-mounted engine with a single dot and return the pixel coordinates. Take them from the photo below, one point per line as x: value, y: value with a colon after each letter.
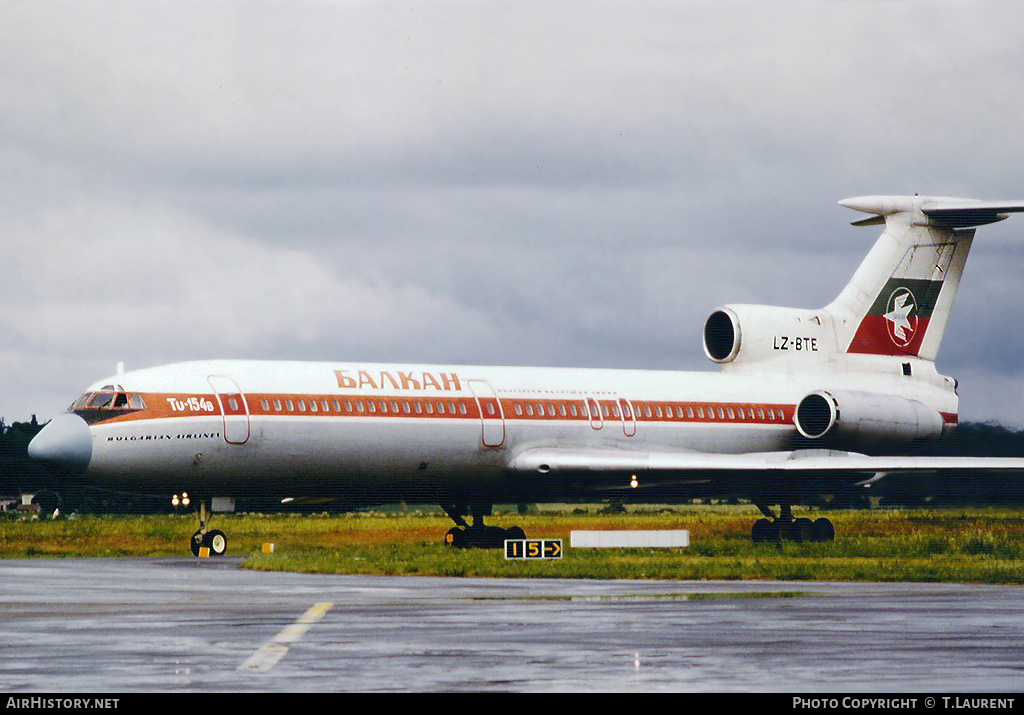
x: 745, y: 334
x: 866, y: 417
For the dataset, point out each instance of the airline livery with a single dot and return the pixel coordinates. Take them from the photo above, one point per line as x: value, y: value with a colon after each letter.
x: 807, y: 402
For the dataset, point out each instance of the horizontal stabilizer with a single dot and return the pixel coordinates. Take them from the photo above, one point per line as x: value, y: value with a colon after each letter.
x: 960, y: 214
x: 944, y: 212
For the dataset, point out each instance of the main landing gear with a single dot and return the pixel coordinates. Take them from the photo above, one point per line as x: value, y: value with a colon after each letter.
x: 786, y: 528
x: 477, y: 535
x: 215, y: 540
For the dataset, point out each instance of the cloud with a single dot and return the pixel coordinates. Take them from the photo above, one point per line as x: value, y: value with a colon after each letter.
x: 153, y: 284
x: 570, y: 183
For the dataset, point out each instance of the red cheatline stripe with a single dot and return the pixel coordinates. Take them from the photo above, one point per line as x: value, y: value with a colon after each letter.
x: 356, y: 406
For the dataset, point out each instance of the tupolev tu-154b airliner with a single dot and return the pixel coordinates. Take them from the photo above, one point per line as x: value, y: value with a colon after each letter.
x: 806, y: 402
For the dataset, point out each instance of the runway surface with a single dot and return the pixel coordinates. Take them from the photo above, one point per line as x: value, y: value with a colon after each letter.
x: 183, y: 625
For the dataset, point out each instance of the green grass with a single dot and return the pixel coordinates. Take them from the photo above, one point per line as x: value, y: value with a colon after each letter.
x: 954, y: 545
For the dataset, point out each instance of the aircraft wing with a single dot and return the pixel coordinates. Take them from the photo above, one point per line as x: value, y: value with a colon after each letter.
x: 605, y: 459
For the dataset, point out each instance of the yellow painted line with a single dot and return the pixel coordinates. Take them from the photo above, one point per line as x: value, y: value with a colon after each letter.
x: 266, y: 657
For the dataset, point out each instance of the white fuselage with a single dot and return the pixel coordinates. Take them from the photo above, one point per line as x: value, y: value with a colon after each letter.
x: 382, y: 433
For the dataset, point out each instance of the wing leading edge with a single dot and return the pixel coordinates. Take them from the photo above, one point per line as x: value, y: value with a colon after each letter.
x: 596, y: 459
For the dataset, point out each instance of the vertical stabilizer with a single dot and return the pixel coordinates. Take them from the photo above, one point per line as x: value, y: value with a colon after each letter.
x: 898, y: 301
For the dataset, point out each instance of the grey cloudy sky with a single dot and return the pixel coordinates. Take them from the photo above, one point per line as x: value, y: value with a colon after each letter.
x: 525, y: 183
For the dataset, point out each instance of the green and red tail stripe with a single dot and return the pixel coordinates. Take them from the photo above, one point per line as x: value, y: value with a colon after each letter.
x: 897, y: 321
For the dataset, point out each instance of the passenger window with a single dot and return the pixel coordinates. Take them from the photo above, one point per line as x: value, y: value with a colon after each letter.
x: 265, y: 404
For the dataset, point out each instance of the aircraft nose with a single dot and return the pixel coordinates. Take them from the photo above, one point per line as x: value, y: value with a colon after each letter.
x: 65, y: 442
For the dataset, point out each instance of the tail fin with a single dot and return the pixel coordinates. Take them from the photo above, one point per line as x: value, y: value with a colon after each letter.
x: 898, y: 301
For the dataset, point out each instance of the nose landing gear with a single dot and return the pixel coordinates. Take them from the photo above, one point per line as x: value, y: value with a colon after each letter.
x: 215, y: 540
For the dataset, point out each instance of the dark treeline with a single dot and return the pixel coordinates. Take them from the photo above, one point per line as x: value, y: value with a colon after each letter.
x: 971, y: 439
x: 19, y: 474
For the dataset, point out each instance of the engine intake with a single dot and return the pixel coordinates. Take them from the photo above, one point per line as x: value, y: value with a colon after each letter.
x: 866, y: 417
x: 742, y: 335
x: 722, y: 335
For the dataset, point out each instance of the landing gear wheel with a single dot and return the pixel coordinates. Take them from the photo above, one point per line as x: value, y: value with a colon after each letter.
x: 824, y: 530
x: 217, y: 541
x: 801, y: 531
x: 515, y: 532
x: 761, y: 531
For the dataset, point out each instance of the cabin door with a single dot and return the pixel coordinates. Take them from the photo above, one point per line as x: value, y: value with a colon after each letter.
x: 233, y: 408
x: 628, y: 417
x: 492, y: 420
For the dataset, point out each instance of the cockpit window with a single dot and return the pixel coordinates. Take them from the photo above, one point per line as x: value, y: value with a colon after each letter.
x: 100, y: 400
x: 109, y: 400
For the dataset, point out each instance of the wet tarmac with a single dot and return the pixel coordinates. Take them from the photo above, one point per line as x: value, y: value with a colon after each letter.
x: 183, y: 625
